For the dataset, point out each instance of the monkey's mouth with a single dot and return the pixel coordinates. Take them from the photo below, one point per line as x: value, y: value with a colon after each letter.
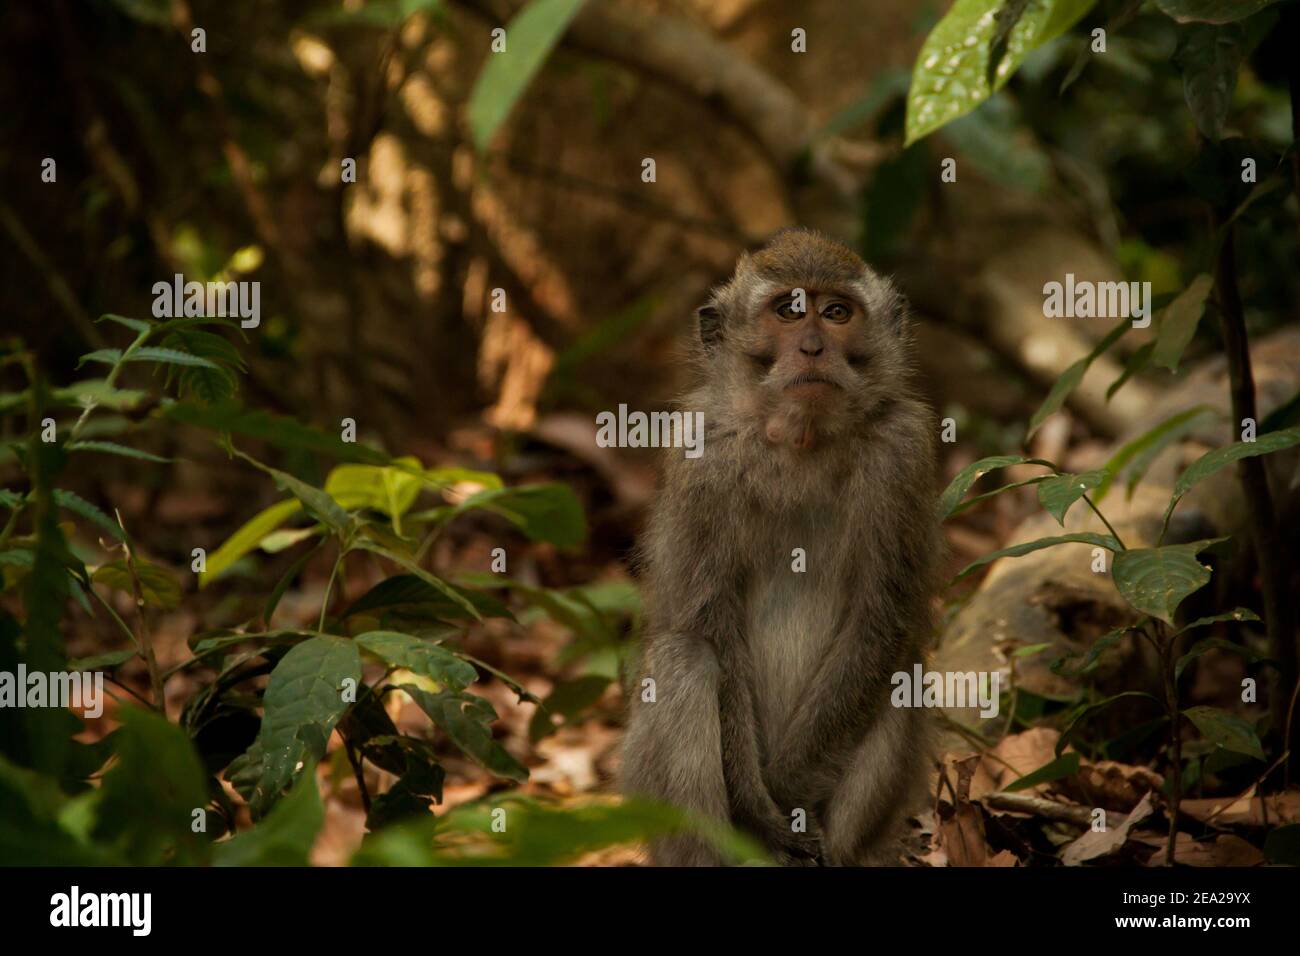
x: 811, y: 379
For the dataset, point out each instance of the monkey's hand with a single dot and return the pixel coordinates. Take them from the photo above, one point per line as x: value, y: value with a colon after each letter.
x: 796, y: 849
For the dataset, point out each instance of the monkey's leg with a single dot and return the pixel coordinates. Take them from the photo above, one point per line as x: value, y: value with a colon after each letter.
x: 673, y: 748
x: 883, y: 782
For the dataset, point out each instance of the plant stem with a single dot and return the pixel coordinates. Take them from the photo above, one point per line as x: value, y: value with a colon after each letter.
x: 146, y: 639
x: 1113, y: 533
x: 1166, y: 645
x: 329, y: 587
x: 1270, y: 552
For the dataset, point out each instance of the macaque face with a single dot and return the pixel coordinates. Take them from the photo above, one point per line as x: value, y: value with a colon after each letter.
x: 808, y: 349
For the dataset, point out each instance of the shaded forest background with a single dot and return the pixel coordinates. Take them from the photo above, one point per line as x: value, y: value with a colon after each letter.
x: 376, y: 306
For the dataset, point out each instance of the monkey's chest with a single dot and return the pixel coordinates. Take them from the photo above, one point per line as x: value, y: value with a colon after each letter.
x: 790, y: 622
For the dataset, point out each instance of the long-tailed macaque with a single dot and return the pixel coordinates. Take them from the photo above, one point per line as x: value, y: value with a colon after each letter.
x: 789, y: 569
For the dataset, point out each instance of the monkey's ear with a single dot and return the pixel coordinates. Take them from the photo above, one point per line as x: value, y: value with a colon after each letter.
x: 708, y: 318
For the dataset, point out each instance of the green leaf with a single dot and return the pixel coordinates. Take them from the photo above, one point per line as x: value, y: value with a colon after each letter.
x: 303, y: 702
x: 1209, y: 58
x: 951, y: 73
x: 1178, y: 325
x: 1156, y: 580
x: 409, y: 591
x: 139, y: 326
x: 276, y: 429
x: 1212, y: 461
x: 103, y: 662
x: 31, y: 832
x: 467, y: 720
x: 422, y: 657
x: 1237, y: 614
x: 103, y: 356
x: 1226, y: 730
x: 1211, y: 644
x: 157, y: 587
x: 1212, y: 11
x: 964, y: 479
x: 113, y: 448
x: 543, y: 512
x: 567, y: 700
x: 1066, y: 765
x: 1080, y: 667
x: 1144, y: 449
x: 1015, y: 551
x: 432, y: 580
x: 149, y: 796
x: 247, y: 538
x: 1071, y: 378
x: 530, y: 36
x: 285, y: 836
x: 79, y: 505
x: 1056, y: 495
x: 97, y: 391
x: 315, y: 501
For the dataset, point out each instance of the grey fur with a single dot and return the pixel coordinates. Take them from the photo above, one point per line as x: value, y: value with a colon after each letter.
x: 773, y: 686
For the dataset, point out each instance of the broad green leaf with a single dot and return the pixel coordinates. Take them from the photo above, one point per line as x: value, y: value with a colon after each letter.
x: 432, y: 580
x: 1141, y: 451
x: 1226, y: 730
x: 1209, y: 58
x: 951, y: 73
x: 391, y: 489
x: 964, y: 479
x: 113, y: 448
x: 303, y: 702
x: 543, y: 512
x: 157, y: 587
x: 31, y: 832
x: 247, y: 538
x: 409, y: 590
x: 149, y: 795
x: 103, y: 662
x: 1237, y: 614
x: 1212, y: 11
x: 285, y: 836
x: 419, y: 656
x: 315, y: 501
x: 1156, y: 580
x: 1084, y: 711
x: 419, y: 783
x: 467, y: 720
x: 1087, y: 663
x: 530, y: 36
x: 275, y: 429
x: 1178, y: 325
x: 1071, y: 378
x: 1212, y: 461
x: 79, y: 505
x: 1215, y: 644
x: 538, y: 834
x: 1056, y: 495
x: 1015, y: 551
x: 1066, y: 765
x: 568, y: 699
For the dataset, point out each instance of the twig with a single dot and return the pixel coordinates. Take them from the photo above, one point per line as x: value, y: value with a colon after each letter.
x: 146, y: 638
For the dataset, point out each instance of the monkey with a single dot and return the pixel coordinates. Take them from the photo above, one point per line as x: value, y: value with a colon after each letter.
x: 764, y: 685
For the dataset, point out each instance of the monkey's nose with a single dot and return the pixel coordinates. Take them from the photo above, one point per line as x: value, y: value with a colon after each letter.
x: 811, y: 345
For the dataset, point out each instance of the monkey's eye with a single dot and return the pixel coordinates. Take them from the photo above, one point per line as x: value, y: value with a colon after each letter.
x: 787, y: 312
x: 836, y: 312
